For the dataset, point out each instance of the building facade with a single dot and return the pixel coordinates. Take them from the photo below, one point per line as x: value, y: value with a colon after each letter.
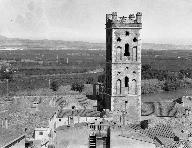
x: 123, y: 67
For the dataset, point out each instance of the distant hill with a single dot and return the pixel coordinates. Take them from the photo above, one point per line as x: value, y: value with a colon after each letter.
x: 27, y: 44
x: 165, y: 46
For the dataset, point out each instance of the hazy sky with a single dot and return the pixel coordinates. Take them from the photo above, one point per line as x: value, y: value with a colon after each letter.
x: 164, y: 21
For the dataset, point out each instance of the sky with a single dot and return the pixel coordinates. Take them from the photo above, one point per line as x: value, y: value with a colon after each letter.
x: 164, y: 21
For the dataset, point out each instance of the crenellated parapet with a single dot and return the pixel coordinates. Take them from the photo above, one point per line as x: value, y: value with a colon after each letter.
x: 132, y: 21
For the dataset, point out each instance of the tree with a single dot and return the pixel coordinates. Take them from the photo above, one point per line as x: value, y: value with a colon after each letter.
x: 6, y: 71
x: 101, y: 78
x: 54, y: 86
x: 171, y: 83
x: 146, y: 67
x: 77, y: 86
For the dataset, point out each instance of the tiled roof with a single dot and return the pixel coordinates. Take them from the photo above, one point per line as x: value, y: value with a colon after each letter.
x: 167, y: 142
x: 161, y: 134
x: 161, y: 130
x: 7, y: 136
x: 78, y: 112
x: 79, y: 101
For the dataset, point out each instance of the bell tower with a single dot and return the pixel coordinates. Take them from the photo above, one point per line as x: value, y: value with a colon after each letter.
x: 123, y: 67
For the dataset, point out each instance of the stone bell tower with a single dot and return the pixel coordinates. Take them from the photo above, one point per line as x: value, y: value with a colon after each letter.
x: 123, y: 67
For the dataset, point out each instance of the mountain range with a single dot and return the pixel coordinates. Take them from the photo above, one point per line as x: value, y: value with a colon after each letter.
x: 27, y: 44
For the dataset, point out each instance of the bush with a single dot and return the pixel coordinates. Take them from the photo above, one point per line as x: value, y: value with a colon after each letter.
x: 54, y: 86
x: 77, y: 86
x: 101, y: 78
x: 6, y: 71
x: 171, y: 85
x: 90, y: 80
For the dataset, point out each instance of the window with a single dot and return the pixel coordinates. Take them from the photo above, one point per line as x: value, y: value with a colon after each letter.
x: 134, y: 53
x: 59, y: 119
x: 134, y: 91
x: 126, y: 68
x: 127, y: 53
x: 126, y: 82
x: 73, y: 107
x: 127, y: 33
x: 40, y: 133
x: 134, y: 72
x: 119, y: 53
x: 118, y: 39
x: 118, y: 87
x: 135, y: 39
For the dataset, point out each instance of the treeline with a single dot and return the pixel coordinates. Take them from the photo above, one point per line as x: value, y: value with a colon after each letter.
x: 154, y: 80
x: 165, y: 80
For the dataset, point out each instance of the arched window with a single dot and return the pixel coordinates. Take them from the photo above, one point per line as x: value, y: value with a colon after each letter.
x: 119, y: 53
x: 118, y: 87
x: 126, y: 82
x: 134, y: 53
x: 127, y: 53
x: 134, y: 88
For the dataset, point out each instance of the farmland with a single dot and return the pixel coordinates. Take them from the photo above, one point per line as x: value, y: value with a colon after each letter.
x: 36, y: 68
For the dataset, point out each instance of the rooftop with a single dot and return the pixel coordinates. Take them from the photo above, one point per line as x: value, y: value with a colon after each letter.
x: 79, y: 112
x: 8, y: 136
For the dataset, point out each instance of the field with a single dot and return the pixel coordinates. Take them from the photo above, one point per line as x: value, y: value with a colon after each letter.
x: 171, y: 60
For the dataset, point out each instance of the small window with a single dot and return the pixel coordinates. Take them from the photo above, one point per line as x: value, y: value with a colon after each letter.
x: 126, y: 68
x: 59, y: 119
x: 40, y: 133
x: 118, y: 39
x: 73, y: 107
x: 135, y: 39
x: 134, y: 72
x: 127, y: 33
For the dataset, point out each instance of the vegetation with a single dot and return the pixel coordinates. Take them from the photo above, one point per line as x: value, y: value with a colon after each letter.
x: 151, y: 86
x: 164, y: 79
x: 6, y: 71
x: 54, y: 86
x: 77, y: 86
x: 157, y: 64
x: 90, y: 80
